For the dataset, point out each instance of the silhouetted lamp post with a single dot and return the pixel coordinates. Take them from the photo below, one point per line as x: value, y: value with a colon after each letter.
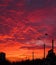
x: 52, y: 41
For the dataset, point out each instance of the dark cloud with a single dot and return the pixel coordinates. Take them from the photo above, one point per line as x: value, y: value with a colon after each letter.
x: 39, y: 4
x: 34, y: 47
x: 36, y: 4
x: 30, y: 47
x: 27, y: 4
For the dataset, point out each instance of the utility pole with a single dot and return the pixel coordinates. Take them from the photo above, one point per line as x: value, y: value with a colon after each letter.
x: 33, y: 55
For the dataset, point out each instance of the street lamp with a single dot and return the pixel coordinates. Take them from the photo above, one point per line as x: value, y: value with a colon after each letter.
x: 52, y: 41
x: 44, y: 46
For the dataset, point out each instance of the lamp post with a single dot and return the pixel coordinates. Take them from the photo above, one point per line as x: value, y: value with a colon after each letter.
x: 44, y: 46
x: 52, y: 41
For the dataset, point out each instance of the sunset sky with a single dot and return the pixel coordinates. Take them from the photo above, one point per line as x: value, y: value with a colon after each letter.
x: 23, y: 25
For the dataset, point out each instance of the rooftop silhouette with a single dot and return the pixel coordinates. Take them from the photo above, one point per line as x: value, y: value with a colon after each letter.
x: 2, y: 56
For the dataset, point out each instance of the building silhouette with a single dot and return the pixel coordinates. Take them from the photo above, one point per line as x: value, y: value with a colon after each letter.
x: 2, y: 56
x: 51, y: 57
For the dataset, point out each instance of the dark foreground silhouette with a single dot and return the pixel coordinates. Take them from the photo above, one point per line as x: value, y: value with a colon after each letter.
x: 49, y: 60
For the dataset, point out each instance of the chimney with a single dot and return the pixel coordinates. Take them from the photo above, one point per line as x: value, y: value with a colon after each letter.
x: 52, y: 44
